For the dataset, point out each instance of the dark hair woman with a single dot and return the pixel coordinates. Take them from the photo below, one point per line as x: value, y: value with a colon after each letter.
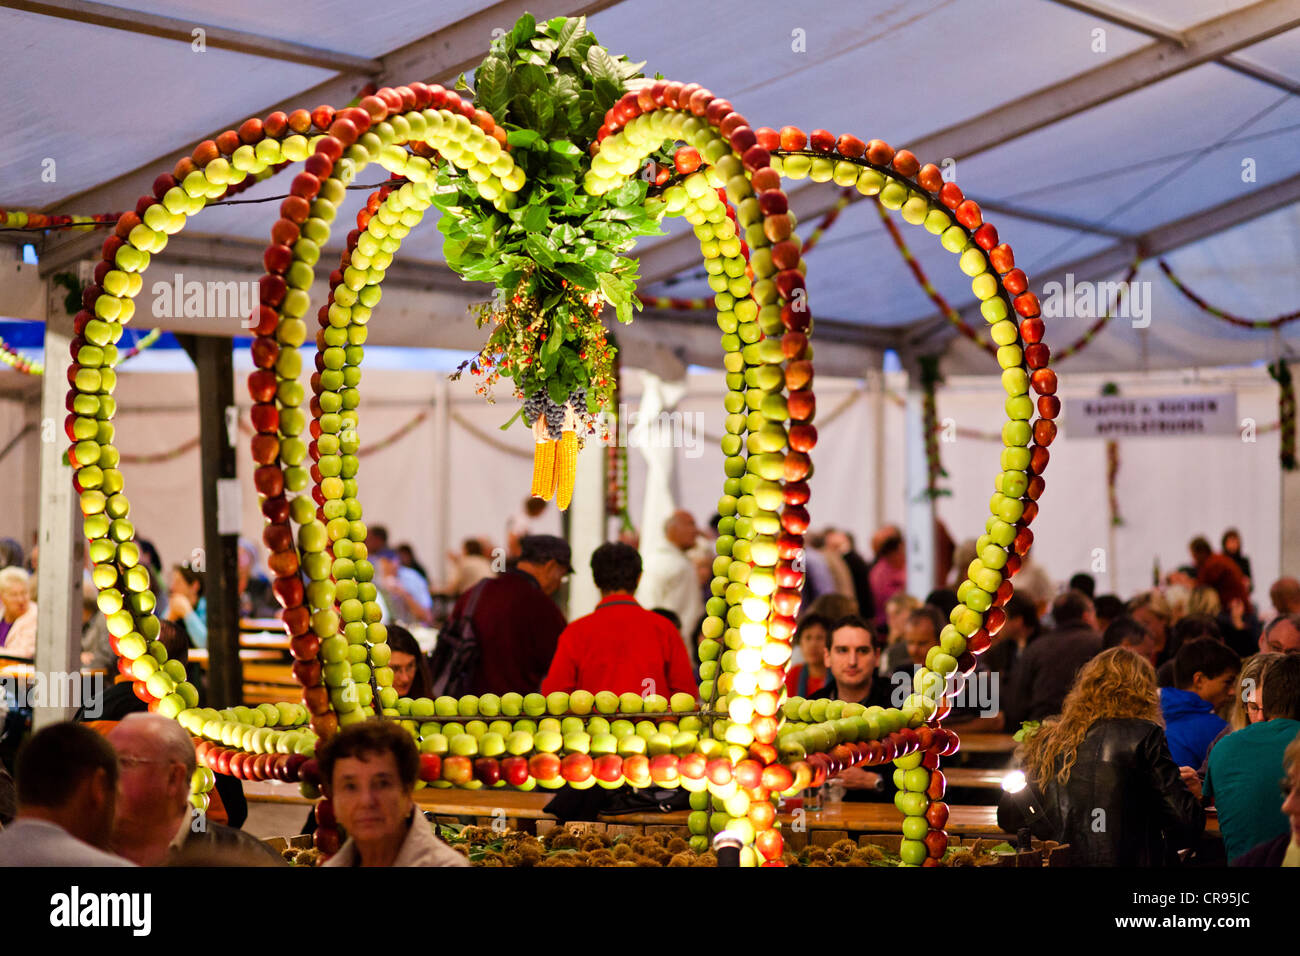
x: 410, y: 668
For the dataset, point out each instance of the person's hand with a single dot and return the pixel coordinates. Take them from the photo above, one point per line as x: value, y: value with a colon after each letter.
x: 178, y: 605
x: 1237, y: 610
x: 855, y: 778
x: 1191, y: 780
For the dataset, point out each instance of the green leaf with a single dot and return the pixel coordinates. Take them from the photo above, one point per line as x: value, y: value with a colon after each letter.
x: 492, y: 82
x: 523, y: 30
x: 602, y: 66
x: 534, y: 218
x: 462, y: 84
x: 543, y: 45
x: 573, y: 30
x: 522, y: 138
x: 566, y: 149
x: 558, y: 391
x: 543, y: 110
x: 513, y: 418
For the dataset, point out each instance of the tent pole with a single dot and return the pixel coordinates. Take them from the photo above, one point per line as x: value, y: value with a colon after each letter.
x: 919, y: 506
x: 586, y: 526
x: 442, y: 481
x: 218, y: 435
x: 62, y: 548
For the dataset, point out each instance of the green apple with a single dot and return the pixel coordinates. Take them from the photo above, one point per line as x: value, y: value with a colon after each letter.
x: 467, y: 706
x: 681, y: 703
x: 572, y: 725
x: 519, y: 742
x: 552, y: 724
x: 631, y: 744
x: 548, y: 741
x: 534, y: 705
x: 489, y: 705
x: 512, y: 704
x: 629, y: 703
x: 442, y: 707
x: 606, y: 702
x: 434, y: 744
x: 476, y: 728
x: 622, y: 728
x: 557, y: 703
x: 463, y: 745
x: 578, y: 742
x: 491, y: 745
x: 601, y: 744
x: 915, y: 828
x: 581, y: 702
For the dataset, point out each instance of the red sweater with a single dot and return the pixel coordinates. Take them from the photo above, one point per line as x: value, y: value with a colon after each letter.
x: 623, y: 648
x: 517, y: 627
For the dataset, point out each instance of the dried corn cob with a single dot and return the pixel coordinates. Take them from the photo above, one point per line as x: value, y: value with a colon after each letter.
x: 543, y: 461
x: 566, y: 461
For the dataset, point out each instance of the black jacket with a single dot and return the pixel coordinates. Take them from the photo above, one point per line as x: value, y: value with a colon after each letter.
x: 1124, y: 804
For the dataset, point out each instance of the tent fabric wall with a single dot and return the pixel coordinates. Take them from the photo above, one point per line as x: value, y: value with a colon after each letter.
x: 1169, y: 489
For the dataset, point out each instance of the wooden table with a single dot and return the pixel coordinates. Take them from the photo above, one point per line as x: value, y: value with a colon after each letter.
x: 973, y: 743
x: 199, y: 655
x: 973, y: 777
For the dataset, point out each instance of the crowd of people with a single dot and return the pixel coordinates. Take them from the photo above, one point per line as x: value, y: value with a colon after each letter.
x: 1146, y: 710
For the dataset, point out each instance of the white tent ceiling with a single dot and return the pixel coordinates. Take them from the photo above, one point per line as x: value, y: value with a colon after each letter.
x: 1096, y: 152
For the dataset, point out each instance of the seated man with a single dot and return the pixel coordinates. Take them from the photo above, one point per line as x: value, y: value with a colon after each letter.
x: 1205, y: 672
x: 67, y: 789
x: 620, y: 647
x: 369, y: 771
x: 1245, y: 766
x: 155, y: 823
x: 1285, y: 849
x: 851, y: 660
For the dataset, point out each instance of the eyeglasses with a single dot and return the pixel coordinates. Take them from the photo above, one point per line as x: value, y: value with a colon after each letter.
x: 137, y: 761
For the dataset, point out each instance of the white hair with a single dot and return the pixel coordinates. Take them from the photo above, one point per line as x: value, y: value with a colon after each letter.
x: 12, y: 575
x: 173, y: 741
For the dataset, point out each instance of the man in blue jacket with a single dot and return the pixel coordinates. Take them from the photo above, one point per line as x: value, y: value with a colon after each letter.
x: 1205, y: 673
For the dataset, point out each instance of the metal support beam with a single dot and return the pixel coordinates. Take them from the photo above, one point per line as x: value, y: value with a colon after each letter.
x: 212, y: 358
x: 62, y: 547
x: 1158, y: 31
x: 1205, y: 43
x: 438, y: 57
x: 1155, y: 242
x: 185, y: 31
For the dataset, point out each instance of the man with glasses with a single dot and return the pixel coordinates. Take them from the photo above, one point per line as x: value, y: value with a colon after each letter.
x: 155, y: 823
x: 1281, y: 635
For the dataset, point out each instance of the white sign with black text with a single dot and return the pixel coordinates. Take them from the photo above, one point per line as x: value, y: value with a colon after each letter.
x: 1151, y: 416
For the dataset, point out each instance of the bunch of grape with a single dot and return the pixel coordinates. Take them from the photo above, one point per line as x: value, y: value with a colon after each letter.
x: 535, y: 405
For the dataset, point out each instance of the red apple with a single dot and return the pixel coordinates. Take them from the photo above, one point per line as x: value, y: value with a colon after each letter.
x: 636, y: 770
x: 609, y: 767
x: 748, y: 773
x: 937, y: 815
x: 822, y: 140
x: 936, y: 841
x: 663, y: 769
x: 514, y: 771
x: 792, y: 137
x: 544, y: 766
x: 487, y: 770
x: 691, y: 766
x: 686, y: 160
x: 457, y: 770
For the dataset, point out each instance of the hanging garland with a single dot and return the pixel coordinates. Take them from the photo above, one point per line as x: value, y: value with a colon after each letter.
x: 19, y: 362
x: 1280, y: 372
x: 1014, y: 276
x: 1274, y: 323
x: 930, y: 378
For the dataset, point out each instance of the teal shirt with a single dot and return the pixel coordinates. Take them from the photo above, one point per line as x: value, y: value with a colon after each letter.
x: 1244, y: 777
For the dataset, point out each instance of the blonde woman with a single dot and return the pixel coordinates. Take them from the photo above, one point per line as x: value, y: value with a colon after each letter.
x: 1247, y: 704
x: 1103, y: 773
x: 18, y: 623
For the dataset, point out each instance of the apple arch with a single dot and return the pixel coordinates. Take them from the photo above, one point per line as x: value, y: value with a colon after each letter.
x: 744, y: 743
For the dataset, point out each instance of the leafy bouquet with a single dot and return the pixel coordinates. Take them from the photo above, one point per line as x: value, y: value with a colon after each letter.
x: 552, y: 251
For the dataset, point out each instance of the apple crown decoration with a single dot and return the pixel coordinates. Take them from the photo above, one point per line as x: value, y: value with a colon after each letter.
x: 741, y: 740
